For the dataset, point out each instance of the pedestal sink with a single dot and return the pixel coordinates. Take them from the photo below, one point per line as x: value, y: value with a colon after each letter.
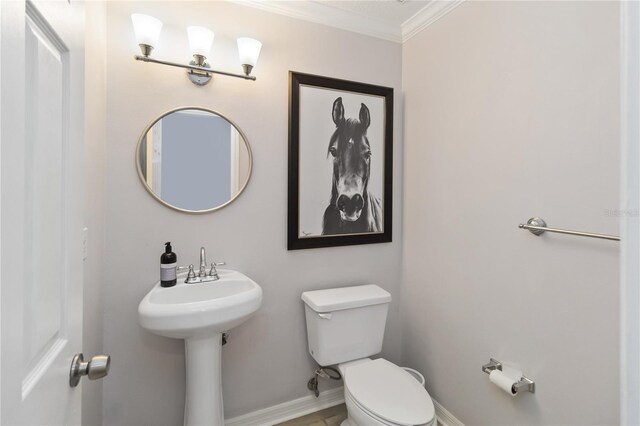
x: 199, y: 313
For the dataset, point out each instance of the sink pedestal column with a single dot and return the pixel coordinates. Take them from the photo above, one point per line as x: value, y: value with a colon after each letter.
x: 203, y: 400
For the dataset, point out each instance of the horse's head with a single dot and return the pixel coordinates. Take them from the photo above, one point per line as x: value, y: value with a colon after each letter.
x: 351, y: 153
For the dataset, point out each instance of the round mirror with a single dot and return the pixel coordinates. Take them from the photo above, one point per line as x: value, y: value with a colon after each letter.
x: 193, y: 160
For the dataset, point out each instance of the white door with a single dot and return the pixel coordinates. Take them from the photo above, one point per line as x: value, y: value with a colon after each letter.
x: 41, y: 181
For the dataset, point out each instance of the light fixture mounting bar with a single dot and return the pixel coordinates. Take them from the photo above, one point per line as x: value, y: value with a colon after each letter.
x: 193, y: 67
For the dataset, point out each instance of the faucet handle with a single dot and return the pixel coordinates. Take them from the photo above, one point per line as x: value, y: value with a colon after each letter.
x: 191, y: 275
x: 213, y: 272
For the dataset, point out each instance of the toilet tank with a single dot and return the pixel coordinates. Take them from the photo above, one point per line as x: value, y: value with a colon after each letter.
x: 345, y: 324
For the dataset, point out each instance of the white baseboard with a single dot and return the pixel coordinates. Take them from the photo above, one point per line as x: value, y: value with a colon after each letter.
x: 310, y: 404
x: 444, y: 417
x: 289, y: 410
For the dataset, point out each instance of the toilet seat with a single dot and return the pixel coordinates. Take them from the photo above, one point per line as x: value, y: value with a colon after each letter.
x: 387, y: 392
x: 371, y: 419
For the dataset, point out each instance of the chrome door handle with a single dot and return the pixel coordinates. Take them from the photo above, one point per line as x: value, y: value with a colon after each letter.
x: 96, y: 368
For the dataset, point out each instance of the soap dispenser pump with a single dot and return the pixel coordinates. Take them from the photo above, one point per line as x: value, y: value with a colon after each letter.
x: 168, y: 267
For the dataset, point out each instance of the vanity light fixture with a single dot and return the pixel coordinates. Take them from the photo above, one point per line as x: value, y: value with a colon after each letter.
x: 147, y: 30
x: 249, y: 50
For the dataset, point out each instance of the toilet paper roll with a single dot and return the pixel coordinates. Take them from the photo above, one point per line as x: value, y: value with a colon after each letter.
x: 503, y: 381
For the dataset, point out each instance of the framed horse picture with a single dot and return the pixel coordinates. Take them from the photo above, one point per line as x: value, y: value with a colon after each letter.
x: 340, y: 162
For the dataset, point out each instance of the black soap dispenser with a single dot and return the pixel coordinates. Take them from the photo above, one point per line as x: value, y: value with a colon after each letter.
x: 168, y: 267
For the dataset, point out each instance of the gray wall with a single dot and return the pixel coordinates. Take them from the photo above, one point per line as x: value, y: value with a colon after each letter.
x: 266, y: 360
x: 511, y: 111
x: 95, y: 137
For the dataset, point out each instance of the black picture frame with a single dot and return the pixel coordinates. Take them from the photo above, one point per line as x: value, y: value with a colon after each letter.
x: 342, y: 88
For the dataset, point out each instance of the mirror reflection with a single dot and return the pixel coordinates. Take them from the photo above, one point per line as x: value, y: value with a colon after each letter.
x: 194, y: 160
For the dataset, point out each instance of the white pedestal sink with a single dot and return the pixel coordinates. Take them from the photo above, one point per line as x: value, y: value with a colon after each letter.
x: 199, y: 314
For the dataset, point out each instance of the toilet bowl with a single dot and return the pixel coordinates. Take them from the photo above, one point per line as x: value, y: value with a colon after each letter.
x: 379, y: 393
x: 344, y: 327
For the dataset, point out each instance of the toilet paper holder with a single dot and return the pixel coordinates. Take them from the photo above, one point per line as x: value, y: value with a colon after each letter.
x: 524, y: 384
x: 492, y: 365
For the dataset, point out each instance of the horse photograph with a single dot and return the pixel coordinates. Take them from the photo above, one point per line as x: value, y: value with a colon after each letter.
x: 353, y: 208
x: 342, y: 141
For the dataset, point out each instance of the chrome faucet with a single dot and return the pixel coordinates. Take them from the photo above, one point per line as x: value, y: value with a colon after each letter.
x: 203, y: 276
x: 203, y: 264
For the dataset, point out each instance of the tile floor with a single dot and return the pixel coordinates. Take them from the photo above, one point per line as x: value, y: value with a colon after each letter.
x: 331, y: 416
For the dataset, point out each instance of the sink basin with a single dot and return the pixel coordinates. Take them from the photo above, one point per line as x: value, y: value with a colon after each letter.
x: 199, y: 313
x: 189, y: 310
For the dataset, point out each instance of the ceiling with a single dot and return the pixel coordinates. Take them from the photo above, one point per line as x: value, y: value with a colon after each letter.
x: 393, y: 20
x: 392, y: 11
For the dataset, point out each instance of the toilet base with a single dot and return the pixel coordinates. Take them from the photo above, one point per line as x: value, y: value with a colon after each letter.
x: 357, y: 416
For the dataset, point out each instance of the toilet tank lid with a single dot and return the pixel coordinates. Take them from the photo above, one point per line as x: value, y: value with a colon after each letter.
x: 336, y: 299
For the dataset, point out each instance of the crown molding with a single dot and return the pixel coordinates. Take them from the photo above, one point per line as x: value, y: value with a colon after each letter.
x: 323, y: 14
x: 320, y: 13
x: 426, y: 16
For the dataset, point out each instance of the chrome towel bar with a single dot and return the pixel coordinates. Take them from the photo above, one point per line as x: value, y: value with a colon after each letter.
x: 537, y: 226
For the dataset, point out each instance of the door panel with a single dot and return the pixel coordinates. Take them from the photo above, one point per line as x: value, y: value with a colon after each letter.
x: 46, y: 97
x: 42, y: 172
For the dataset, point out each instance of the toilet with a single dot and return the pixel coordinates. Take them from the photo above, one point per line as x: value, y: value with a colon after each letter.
x: 345, y: 326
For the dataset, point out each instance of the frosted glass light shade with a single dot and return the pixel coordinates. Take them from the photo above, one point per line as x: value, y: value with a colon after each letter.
x: 147, y: 29
x: 200, y: 40
x: 249, y: 50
